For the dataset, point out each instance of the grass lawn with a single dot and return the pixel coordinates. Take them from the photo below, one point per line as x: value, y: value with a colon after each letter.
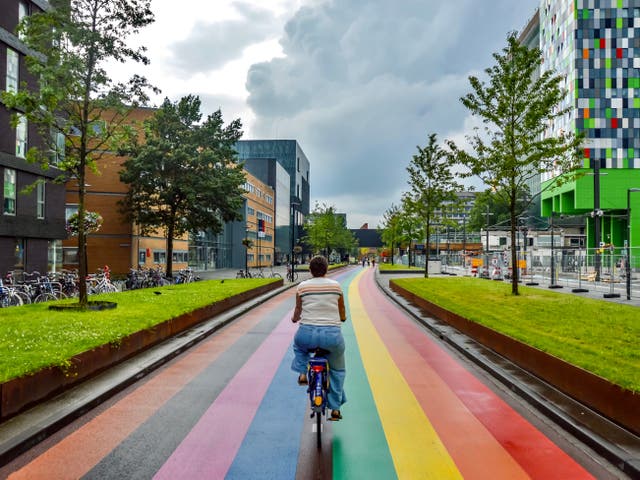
x: 599, y: 336
x: 33, y: 337
x: 388, y: 266
x: 305, y: 267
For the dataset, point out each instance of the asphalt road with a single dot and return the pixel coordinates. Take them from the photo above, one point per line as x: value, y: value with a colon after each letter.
x: 229, y: 407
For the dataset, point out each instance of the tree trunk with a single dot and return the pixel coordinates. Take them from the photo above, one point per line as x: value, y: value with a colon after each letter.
x: 83, y: 297
x: 514, y: 255
x: 169, y: 264
x: 426, y: 251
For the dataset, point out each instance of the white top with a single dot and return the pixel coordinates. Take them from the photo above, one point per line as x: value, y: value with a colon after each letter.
x: 319, y: 296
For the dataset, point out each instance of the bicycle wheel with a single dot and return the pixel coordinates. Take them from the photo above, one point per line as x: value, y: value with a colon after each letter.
x: 319, y: 429
x: 26, y: 299
x: 276, y: 275
x: 44, y: 297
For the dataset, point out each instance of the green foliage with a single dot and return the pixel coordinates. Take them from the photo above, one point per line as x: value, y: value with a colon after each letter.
x: 327, y: 231
x: 598, y: 336
x: 433, y: 188
x: 184, y: 177
x: 393, y: 267
x: 391, y: 231
x: 33, y: 337
x: 497, y: 205
x: 517, y: 104
x: 75, y: 99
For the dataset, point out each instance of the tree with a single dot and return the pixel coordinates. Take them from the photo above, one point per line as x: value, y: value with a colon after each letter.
x: 391, y: 232
x: 433, y: 186
x: 326, y: 230
x: 77, y: 109
x: 498, y: 204
x: 184, y: 177
x: 517, y: 105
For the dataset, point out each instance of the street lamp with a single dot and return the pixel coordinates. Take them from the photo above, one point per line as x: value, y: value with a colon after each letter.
x: 486, y: 266
x: 628, y: 262
x: 294, y: 203
x: 552, y: 282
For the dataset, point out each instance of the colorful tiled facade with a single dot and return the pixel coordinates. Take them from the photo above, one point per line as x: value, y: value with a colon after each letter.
x: 595, y: 44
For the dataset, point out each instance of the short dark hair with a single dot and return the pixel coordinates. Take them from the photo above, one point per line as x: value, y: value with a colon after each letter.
x: 318, y: 266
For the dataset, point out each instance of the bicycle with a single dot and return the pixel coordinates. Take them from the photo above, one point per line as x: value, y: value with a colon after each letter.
x: 273, y: 274
x: 292, y: 275
x: 243, y: 274
x: 318, y: 378
x: 8, y: 297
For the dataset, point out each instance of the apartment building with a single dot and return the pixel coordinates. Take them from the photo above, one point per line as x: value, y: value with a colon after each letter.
x: 260, y: 217
x: 595, y: 45
x: 32, y: 224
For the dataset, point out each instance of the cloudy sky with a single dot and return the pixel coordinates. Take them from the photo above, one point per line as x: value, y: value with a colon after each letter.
x: 358, y: 83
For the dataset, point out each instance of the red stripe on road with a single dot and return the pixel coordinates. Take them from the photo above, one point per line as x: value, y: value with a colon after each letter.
x: 533, y: 451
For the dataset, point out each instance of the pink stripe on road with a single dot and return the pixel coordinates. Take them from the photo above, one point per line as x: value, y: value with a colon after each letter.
x: 209, y: 449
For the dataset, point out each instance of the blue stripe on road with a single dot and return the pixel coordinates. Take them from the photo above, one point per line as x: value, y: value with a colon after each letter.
x: 270, y: 448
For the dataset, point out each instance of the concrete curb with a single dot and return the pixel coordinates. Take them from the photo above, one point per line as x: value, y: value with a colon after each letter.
x: 618, y: 445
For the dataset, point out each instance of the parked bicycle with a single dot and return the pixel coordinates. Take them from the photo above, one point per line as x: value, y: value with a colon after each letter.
x: 292, y: 275
x: 8, y: 297
x: 243, y: 274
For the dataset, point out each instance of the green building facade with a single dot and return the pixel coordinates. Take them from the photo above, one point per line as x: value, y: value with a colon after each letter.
x: 595, y: 44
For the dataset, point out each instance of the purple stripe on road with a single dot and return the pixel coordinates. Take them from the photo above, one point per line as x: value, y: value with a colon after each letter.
x: 209, y: 449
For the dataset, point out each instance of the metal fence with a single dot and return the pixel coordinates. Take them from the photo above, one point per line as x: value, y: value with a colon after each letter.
x: 603, y: 269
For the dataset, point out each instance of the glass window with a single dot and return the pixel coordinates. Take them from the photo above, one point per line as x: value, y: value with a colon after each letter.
x: 40, y: 200
x: 21, y: 137
x: 142, y: 257
x: 19, y: 254
x: 12, y: 70
x: 23, y: 11
x: 58, y: 147
x: 9, y: 207
x: 55, y: 255
x: 70, y: 255
x: 159, y: 256
x: 70, y: 209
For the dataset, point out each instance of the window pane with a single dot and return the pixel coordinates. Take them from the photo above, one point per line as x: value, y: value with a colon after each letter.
x: 70, y: 255
x: 40, y: 200
x: 21, y: 137
x: 9, y: 207
x: 12, y: 71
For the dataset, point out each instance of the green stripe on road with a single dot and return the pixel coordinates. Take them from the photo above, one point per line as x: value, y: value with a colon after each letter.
x: 360, y: 448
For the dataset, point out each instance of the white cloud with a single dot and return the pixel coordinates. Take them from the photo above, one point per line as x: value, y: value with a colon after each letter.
x: 363, y: 82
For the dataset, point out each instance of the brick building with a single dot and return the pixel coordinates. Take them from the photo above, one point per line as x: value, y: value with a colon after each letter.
x: 118, y: 243
x: 260, y: 212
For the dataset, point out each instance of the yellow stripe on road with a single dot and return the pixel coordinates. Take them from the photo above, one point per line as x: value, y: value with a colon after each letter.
x: 414, y: 444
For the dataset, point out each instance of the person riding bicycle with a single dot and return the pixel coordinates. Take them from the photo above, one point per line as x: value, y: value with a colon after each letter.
x: 320, y: 310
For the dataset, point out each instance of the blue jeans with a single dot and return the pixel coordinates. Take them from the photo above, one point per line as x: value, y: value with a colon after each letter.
x: 309, y: 337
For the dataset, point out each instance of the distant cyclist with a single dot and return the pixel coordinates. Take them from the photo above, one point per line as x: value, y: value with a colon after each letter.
x: 320, y: 311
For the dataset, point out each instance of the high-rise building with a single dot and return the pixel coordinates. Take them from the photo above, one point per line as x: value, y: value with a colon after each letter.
x: 595, y: 45
x: 283, y: 166
x: 32, y: 225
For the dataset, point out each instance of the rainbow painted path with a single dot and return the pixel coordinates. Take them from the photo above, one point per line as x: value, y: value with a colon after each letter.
x: 231, y: 408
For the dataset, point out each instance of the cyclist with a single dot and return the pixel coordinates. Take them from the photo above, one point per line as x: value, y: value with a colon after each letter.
x: 320, y: 310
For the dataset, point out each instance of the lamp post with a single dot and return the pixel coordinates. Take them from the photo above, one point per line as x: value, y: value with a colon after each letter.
x: 552, y: 282
x: 486, y: 265
x: 628, y: 262
x: 294, y: 204
x: 597, y: 214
